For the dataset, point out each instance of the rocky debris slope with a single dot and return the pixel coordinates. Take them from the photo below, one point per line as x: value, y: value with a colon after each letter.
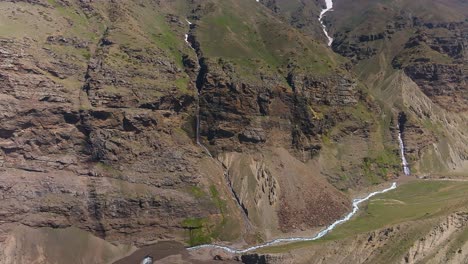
x: 277, y: 190
x: 433, y: 246
x: 92, y: 131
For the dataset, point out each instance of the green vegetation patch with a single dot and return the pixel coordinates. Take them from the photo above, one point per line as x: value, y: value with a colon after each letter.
x: 412, y: 201
x: 421, y: 53
x: 416, y: 200
x: 220, y: 204
x: 380, y: 165
x: 216, y: 227
x: 198, y: 230
x: 244, y: 34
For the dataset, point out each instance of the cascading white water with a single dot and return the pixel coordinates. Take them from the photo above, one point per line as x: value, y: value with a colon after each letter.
x: 404, y: 163
x: 329, y: 6
x: 147, y: 260
x: 356, y: 203
x: 186, y: 35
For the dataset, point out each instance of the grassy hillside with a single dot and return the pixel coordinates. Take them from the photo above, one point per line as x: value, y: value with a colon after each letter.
x: 247, y: 34
x: 409, y: 203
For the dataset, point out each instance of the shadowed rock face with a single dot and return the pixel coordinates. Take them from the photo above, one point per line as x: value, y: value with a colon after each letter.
x: 254, y: 259
x: 89, y: 142
x: 402, y: 119
x: 237, y: 115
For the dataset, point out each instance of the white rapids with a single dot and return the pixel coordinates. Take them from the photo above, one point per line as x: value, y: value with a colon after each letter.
x: 329, y: 4
x: 186, y: 35
x: 356, y: 203
x: 147, y: 260
x: 404, y: 162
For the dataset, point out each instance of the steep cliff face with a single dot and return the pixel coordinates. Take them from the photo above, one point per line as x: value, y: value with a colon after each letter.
x: 100, y: 102
x: 94, y: 106
x: 202, y: 121
x: 434, y: 58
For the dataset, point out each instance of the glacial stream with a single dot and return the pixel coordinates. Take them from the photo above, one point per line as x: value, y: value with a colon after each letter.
x: 356, y: 203
x: 329, y: 6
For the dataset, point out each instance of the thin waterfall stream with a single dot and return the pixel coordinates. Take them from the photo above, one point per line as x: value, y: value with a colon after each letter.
x: 404, y: 163
x: 191, y: 42
x: 329, y: 6
x: 401, y: 128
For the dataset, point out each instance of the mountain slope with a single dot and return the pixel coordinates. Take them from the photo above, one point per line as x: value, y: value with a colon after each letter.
x: 226, y: 121
x: 94, y: 103
x: 99, y: 102
x: 413, y: 53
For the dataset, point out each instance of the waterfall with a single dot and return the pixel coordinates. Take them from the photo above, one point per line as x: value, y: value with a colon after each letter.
x: 401, y: 127
x: 197, y: 128
x: 406, y: 169
x: 147, y: 260
x: 197, y: 121
x: 329, y: 6
x: 236, y: 198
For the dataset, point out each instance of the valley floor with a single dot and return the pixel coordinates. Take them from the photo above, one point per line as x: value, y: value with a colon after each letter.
x: 390, y: 227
